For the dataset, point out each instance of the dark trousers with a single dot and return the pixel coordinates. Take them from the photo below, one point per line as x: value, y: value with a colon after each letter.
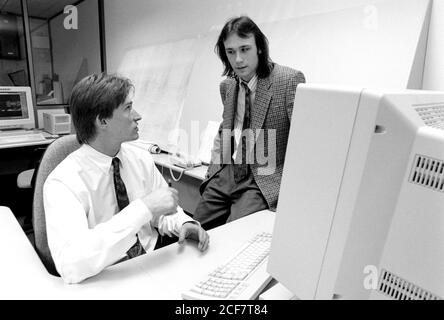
x: 223, y: 200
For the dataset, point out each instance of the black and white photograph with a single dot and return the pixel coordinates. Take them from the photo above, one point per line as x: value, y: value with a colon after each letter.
x: 226, y: 159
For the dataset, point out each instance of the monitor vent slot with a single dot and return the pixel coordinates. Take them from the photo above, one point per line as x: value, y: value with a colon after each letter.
x: 428, y: 172
x: 433, y: 116
x: 400, y: 289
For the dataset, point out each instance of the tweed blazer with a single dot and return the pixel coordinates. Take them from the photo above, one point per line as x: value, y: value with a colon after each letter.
x: 272, y: 109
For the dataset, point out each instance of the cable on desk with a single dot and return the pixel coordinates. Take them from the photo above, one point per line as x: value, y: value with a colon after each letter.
x: 180, y: 176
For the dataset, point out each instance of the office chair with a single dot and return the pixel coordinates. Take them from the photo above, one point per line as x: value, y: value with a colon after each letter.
x: 26, y: 179
x: 54, y: 154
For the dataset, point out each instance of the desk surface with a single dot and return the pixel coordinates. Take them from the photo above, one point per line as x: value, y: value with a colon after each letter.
x: 161, y: 274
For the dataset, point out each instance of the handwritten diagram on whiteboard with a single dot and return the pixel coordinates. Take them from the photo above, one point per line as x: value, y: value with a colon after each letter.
x: 160, y: 74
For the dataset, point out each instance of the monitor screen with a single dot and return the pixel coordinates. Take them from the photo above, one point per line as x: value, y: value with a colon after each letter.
x: 361, y: 200
x: 16, y: 108
x: 13, y: 106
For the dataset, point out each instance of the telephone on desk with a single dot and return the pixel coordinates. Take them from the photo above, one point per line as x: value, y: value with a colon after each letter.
x: 185, y: 161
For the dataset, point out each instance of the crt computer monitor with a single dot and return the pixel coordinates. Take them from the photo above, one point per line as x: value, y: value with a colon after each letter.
x: 361, y: 205
x: 16, y: 108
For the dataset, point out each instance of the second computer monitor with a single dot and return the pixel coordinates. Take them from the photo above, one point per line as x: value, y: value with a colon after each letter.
x: 16, y: 108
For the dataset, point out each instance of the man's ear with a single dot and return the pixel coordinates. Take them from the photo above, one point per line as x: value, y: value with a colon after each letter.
x: 101, y: 123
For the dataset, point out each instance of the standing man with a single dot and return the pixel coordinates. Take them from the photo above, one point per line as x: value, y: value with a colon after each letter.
x: 258, y: 100
x: 107, y: 202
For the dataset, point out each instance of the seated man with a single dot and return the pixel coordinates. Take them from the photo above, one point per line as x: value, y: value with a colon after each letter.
x: 107, y: 202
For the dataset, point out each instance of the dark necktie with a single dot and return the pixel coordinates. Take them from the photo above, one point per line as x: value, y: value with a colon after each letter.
x: 122, y: 201
x: 241, y: 170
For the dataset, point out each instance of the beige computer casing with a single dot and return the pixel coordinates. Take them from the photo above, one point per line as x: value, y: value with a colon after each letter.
x: 57, y: 123
x: 350, y: 210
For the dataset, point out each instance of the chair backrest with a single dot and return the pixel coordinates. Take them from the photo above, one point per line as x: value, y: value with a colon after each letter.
x: 54, y: 154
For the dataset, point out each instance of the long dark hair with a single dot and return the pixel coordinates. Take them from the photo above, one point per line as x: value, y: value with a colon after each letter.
x: 244, y: 27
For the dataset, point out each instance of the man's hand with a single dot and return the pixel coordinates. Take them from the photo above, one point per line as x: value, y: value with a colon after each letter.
x: 162, y: 201
x: 193, y: 231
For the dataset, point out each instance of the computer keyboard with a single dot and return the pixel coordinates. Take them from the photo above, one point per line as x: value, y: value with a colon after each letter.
x: 6, y: 139
x: 242, y: 277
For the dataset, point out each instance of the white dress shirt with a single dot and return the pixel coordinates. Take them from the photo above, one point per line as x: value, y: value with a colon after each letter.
x: 240, y: 110
x: 86, y: 232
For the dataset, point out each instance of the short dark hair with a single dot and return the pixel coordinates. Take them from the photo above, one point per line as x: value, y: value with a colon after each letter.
x: 97, y: 95
x: 244, y: 27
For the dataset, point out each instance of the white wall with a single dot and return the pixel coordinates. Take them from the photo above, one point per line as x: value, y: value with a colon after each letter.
x: 361, y: 43
x: 139, y: 23
x: 434, y: 64
x: 365, y: 46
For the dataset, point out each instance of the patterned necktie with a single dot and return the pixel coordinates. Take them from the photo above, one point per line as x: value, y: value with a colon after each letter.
x: 241, y: 170
x: 122, y: 201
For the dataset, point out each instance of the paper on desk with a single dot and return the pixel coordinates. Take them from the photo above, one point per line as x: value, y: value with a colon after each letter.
x: 277, y: 292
